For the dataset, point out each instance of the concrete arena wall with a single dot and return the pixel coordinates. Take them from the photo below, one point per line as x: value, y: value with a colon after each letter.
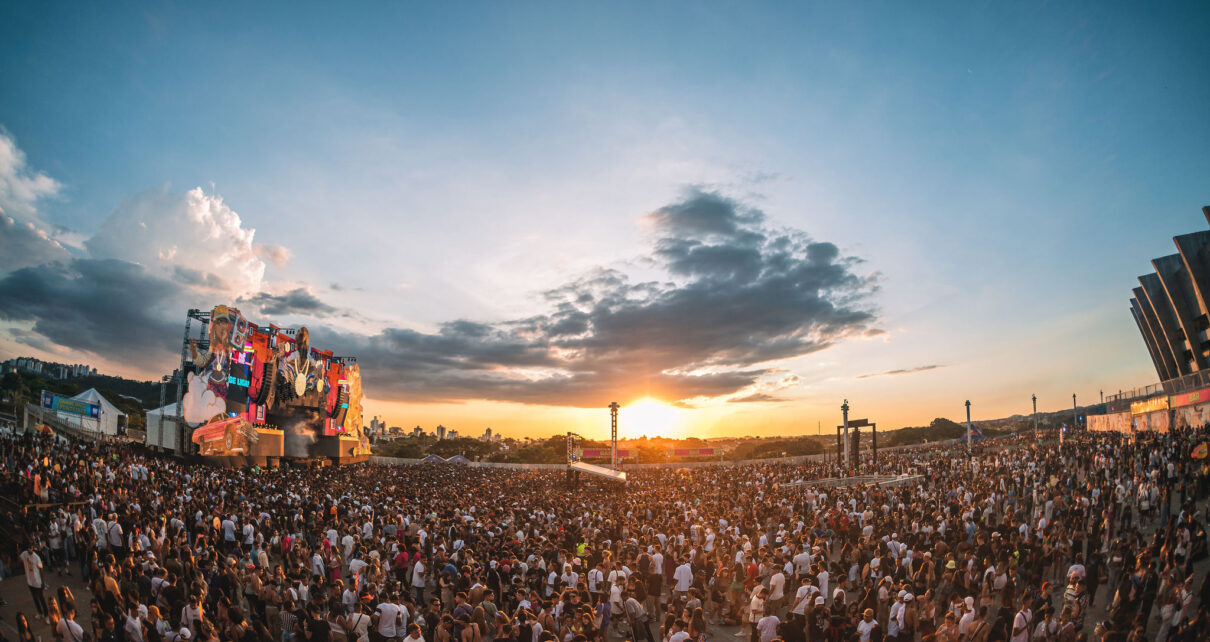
x: 403, y: 461
x: 1113, y: 422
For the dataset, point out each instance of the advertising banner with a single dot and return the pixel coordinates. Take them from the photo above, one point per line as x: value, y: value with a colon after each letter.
x: 70, y: 406
x: 601, y: 453
x: 1190, y: 398
x: 694, y: 452
x: 1149, y: 405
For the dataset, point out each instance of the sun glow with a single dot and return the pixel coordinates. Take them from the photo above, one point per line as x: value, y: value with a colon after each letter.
x: 651, y: 417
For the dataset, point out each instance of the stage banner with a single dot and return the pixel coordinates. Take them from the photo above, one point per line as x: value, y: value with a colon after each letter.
x: 70, y: 406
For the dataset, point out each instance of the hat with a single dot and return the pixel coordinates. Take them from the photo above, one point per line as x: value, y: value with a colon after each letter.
x: 185, y: 635
x: 901, y: 594
x: 142, y: 610
x: 909, y: 597
x: 951, y: 565
x: 970, y: 602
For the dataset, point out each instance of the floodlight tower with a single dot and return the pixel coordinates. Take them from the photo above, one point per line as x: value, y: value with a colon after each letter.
x: 613, y: 434
x: 844, y: 408
x: 968, y: 425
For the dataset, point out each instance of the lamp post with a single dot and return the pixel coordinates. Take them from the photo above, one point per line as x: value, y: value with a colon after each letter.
x: 1035, y: 417
x: 844, y: 408
x: 968, y: 425
x: 1075, y: 417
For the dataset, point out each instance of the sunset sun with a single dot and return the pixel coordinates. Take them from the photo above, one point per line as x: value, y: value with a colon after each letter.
x: 651, y: 417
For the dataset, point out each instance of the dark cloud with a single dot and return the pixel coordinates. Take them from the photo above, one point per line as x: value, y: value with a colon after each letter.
x: 103, y: 306
x: 299, y: 301
x: 740, y: 294
x: 901, y: 371
x: 23, y: 244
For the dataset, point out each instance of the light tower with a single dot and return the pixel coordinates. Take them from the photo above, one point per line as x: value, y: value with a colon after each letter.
x: 613, y: 435
x: 1035, y: 417
x: 968, y: 425
x: 844, y: 408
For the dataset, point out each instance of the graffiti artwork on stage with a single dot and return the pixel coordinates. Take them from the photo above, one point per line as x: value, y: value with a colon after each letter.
x: 251, y: 377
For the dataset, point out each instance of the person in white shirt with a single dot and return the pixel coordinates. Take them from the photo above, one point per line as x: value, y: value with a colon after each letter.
x: 33, y: 579
x: 418, y: 580
x: 866, y: 625
x: 386, y: 619
x: 767, y: 627
x: 777, y: 592
x: 67, y: 628
x: 683, y: 576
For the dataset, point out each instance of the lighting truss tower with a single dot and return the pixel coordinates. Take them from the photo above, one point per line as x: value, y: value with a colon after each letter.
x: 613, y: 435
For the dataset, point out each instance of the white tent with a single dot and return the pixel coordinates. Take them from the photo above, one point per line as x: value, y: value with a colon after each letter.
x: 111, y: 417
x: 162, y: 428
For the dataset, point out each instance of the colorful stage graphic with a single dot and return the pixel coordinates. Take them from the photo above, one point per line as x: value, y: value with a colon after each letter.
x: 257, y: 392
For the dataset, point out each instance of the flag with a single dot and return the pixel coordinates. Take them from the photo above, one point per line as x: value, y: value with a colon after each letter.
x: 1201, y: 451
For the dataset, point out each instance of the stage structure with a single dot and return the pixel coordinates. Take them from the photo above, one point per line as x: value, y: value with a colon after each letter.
x: 848, y: 452
x: 255, y: 394
x: 576, y: 454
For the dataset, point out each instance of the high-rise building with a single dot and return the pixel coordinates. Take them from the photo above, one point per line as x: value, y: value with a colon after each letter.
x: 440, y: 431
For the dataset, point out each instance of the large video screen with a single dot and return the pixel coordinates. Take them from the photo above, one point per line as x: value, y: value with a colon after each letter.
x: 248, y: 379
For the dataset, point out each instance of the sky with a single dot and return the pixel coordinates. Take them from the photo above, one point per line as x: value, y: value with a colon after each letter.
x: 728, y: 217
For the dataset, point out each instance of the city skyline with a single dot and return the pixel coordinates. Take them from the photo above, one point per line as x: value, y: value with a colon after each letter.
x: 728, y: 219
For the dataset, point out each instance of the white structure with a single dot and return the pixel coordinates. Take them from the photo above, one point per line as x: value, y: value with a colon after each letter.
x: 163, y: 431
x: 106, y: 424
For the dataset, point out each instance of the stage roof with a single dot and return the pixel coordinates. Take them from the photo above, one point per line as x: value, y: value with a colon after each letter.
x: 600, y: 471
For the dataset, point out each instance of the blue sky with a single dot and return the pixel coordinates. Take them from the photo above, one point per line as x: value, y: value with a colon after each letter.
x: 1005, y: 171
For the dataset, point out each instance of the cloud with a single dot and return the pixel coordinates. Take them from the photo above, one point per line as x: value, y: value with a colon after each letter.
x: 299, y: 301
x: 901, y: 371
x: 739, y: 294
x: 194, y: 237
x: 278, y: 255
x: 20, y: 187
x: 24, y: 243
x: 756, y: 397
x: 108, y: 307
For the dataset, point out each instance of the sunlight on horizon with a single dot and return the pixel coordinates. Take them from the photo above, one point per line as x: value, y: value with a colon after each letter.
x: 651, y: 417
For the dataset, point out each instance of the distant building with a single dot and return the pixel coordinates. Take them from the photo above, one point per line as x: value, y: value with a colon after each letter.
x: 440, y: 431
x: 418, y: 431
x: 49, y: 369
x: 451, y: 434
x: 487, y: 436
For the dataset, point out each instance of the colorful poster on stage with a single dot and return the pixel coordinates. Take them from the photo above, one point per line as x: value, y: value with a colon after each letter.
x: 247, y: 378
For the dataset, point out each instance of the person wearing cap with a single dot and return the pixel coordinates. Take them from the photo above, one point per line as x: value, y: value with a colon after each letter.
x: 968, y: 616
x: 866, y: 626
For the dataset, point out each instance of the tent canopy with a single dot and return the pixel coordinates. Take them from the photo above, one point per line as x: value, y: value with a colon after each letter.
x: 110, y: 417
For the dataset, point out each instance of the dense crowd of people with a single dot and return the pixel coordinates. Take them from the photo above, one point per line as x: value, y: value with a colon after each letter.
x: 1017, y: 541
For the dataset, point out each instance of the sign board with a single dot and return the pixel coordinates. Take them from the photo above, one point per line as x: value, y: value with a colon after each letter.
x: 1190, y: 398
x: 1153, y: 404
x: 695, y: 452
x: 70, y: 406
x: 857, y: 423
x: 600, y: 453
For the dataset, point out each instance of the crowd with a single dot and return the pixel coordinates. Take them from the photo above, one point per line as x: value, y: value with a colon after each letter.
x: 1017, y: 541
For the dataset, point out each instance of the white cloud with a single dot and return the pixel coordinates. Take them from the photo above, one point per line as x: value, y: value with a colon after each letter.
x: 20, y: 187
x: 192, y: 236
